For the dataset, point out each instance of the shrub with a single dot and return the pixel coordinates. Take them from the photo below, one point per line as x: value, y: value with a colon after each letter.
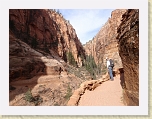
x: 56, y: 104
x: 71, y: 59
x: 36, y: 99
x: 91, y: 66
x: 69, y: 93
x: 104, y: 69
x: 28, y: 96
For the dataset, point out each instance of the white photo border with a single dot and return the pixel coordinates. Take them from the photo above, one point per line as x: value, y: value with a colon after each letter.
x: 142, y: 109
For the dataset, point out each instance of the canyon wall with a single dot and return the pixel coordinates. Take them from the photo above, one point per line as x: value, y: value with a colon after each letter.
x: 42, y: 44
x: 46, y: 30
x: 128, y: 40
x: 119, y: 40
x: 37, y: 78
x: 104, y: 44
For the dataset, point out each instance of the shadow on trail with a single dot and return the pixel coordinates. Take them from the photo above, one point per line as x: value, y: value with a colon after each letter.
x: 122, y: 80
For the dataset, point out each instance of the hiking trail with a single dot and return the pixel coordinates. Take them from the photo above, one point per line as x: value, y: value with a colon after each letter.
x: 109, y: 93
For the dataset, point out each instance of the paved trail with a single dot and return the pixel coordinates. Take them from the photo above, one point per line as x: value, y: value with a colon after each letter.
x: 109, y: 93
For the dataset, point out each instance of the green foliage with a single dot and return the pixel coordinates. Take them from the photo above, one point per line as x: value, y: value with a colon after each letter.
x: 56, y: 104
x: 99, y: 69
x: 71, y: 59
x: 80, y: 72
x: 69, y: 93
x: 28, y: 96
x: 91, y: 66
x: 83, y: 59
x: 104, y: 69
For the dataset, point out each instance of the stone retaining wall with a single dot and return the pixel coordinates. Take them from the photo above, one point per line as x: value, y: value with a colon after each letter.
x: 88, y: 85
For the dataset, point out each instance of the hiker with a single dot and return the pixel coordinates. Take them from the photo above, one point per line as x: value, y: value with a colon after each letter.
x: 110, y: 68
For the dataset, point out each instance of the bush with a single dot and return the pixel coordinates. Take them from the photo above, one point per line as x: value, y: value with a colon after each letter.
x: 28, y: 96
x: 104, y: 70
x: 91, y: 66
x: 36, y: 99
x: 69, y: 93
x: 71, y: 59
x: 56, y: 104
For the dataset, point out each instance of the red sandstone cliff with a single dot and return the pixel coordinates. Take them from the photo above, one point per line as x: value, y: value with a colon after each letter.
x: 40, y: 42
x: 104, y: 44
x: 44, y: 75
x: 119, y: 39
x: 46, y: 30
x: 128, y: 40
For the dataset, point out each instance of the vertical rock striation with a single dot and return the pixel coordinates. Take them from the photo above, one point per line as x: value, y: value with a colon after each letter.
x: 46, y: 30
x: 104, y: 44
x: 41, y: 44
x: 128, y: 40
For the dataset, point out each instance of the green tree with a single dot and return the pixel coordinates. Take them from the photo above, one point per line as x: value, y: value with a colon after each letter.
x: 91, y: 66
x: 71, y: 59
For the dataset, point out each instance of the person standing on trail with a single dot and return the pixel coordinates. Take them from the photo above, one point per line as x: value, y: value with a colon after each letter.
x: 110, y: 68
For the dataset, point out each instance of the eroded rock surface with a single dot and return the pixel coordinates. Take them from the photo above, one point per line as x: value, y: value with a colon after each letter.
x: 46, y: 30
x: 40, y: 45
x: 45, y: 76
x: 128, y: 39
x: 104, y: 44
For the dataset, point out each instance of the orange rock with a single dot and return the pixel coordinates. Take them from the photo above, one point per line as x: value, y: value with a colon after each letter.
x: 104, y: 44
x: 128, y: 40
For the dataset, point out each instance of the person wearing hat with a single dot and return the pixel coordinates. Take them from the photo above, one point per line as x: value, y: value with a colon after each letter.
x: 110, y: 69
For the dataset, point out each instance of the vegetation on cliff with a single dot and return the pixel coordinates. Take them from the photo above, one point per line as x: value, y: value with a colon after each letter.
x: 71, y: 60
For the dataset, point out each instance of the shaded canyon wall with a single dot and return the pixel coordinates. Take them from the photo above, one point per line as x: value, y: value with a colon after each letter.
x: 128, y: 40
x: 40, y: 43
x: 46, y: 30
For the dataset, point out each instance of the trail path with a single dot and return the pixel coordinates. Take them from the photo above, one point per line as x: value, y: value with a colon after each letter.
x: 109, y: 93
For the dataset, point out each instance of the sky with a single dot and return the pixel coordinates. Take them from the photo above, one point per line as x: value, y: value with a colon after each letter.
x: 86, y: 22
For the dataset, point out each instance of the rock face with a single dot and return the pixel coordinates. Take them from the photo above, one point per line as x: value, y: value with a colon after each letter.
x: 46, y: 30
x: 128, y: 40
x: 42, y: 44
x: 46, y: 77
x: 104, y: 44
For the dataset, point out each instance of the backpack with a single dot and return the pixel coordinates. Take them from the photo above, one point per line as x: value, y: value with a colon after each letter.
x: 111, y: 63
